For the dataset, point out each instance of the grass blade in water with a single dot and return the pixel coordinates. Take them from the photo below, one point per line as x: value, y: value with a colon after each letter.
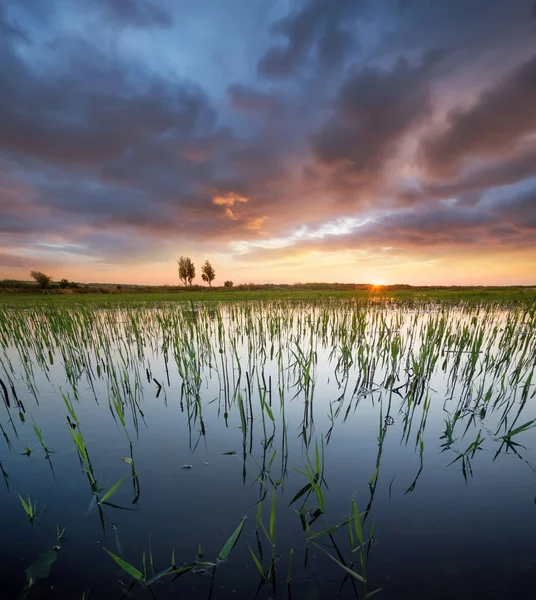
x: 272, y: 519
x: 257, y: 563
x: 128, y: 568
x: 169, y: 571
x: 231, y: 542
x: 112, y: 490
x: 349, y: 571
x: 303, y: 491
x: 331, y: 529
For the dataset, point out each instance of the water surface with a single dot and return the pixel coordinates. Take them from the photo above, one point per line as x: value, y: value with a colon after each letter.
x: 422, y: 415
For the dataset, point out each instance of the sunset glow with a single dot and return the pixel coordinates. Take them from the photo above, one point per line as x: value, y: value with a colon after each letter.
x: 288, y: 141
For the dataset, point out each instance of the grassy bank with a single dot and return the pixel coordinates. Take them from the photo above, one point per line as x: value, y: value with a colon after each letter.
x: 511, y: 295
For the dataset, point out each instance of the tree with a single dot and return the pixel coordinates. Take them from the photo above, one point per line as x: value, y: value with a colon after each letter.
x: 186, y: 270
x: 64, y: 283
x: 42, y: 279
x: 228, y: 283
x: 207, y: 273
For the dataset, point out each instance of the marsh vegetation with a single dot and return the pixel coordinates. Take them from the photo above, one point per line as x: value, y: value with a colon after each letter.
x: 330, y: 449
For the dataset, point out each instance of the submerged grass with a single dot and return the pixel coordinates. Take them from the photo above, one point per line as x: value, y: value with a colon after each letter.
x: 253, y: 365
x: 30, y: 508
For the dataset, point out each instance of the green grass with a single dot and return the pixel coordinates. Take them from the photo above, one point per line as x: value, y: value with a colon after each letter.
x: 30, y: 508
x: 510, y: 295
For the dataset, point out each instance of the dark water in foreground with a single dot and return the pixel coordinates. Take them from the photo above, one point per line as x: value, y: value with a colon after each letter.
x: 414, y: 414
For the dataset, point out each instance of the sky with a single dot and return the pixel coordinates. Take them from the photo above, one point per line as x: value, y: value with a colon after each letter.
x: 284, y: 141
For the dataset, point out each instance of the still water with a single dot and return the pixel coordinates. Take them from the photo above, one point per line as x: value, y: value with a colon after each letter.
x: 418, y: 417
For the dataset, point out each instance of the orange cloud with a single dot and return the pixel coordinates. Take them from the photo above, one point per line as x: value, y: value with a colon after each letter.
x: 229, y: 199
x: 256, y: 224
x: 229, y: 213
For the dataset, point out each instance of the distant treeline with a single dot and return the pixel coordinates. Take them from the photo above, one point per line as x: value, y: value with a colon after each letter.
x: 64, y: 287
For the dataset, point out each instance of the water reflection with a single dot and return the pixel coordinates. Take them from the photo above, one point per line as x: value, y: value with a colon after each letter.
x: 370, y: 447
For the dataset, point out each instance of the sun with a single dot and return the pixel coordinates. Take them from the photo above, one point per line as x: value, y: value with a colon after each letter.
x: 378, y: 282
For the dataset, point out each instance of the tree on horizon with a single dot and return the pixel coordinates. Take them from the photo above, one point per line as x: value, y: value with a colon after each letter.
x: 186, y: 270
x: 42, y: 279
x: 207, y: 273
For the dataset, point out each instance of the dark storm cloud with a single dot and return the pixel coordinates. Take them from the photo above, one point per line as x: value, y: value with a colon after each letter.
x: 459, y: 25
x: 519, y: 211
x: 487, y: 222
x: 112, y: 154
x: 473, y: 181
x: 375, y: 108
x: 318, y: 30
x: 91, y: 113
x: 501, y: 117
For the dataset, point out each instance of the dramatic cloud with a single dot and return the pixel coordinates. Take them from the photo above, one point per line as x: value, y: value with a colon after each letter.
x: 374, y: 109
x: 320, y: 31
x: 503, y: 116
x: 439, y: 228
x: 132, y: 132
x: 474, y: 180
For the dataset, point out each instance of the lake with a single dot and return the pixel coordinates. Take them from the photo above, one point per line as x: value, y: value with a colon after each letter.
x: 335, y: 449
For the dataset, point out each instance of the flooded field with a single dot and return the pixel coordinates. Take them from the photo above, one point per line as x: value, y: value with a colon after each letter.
x: 268, y: 450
